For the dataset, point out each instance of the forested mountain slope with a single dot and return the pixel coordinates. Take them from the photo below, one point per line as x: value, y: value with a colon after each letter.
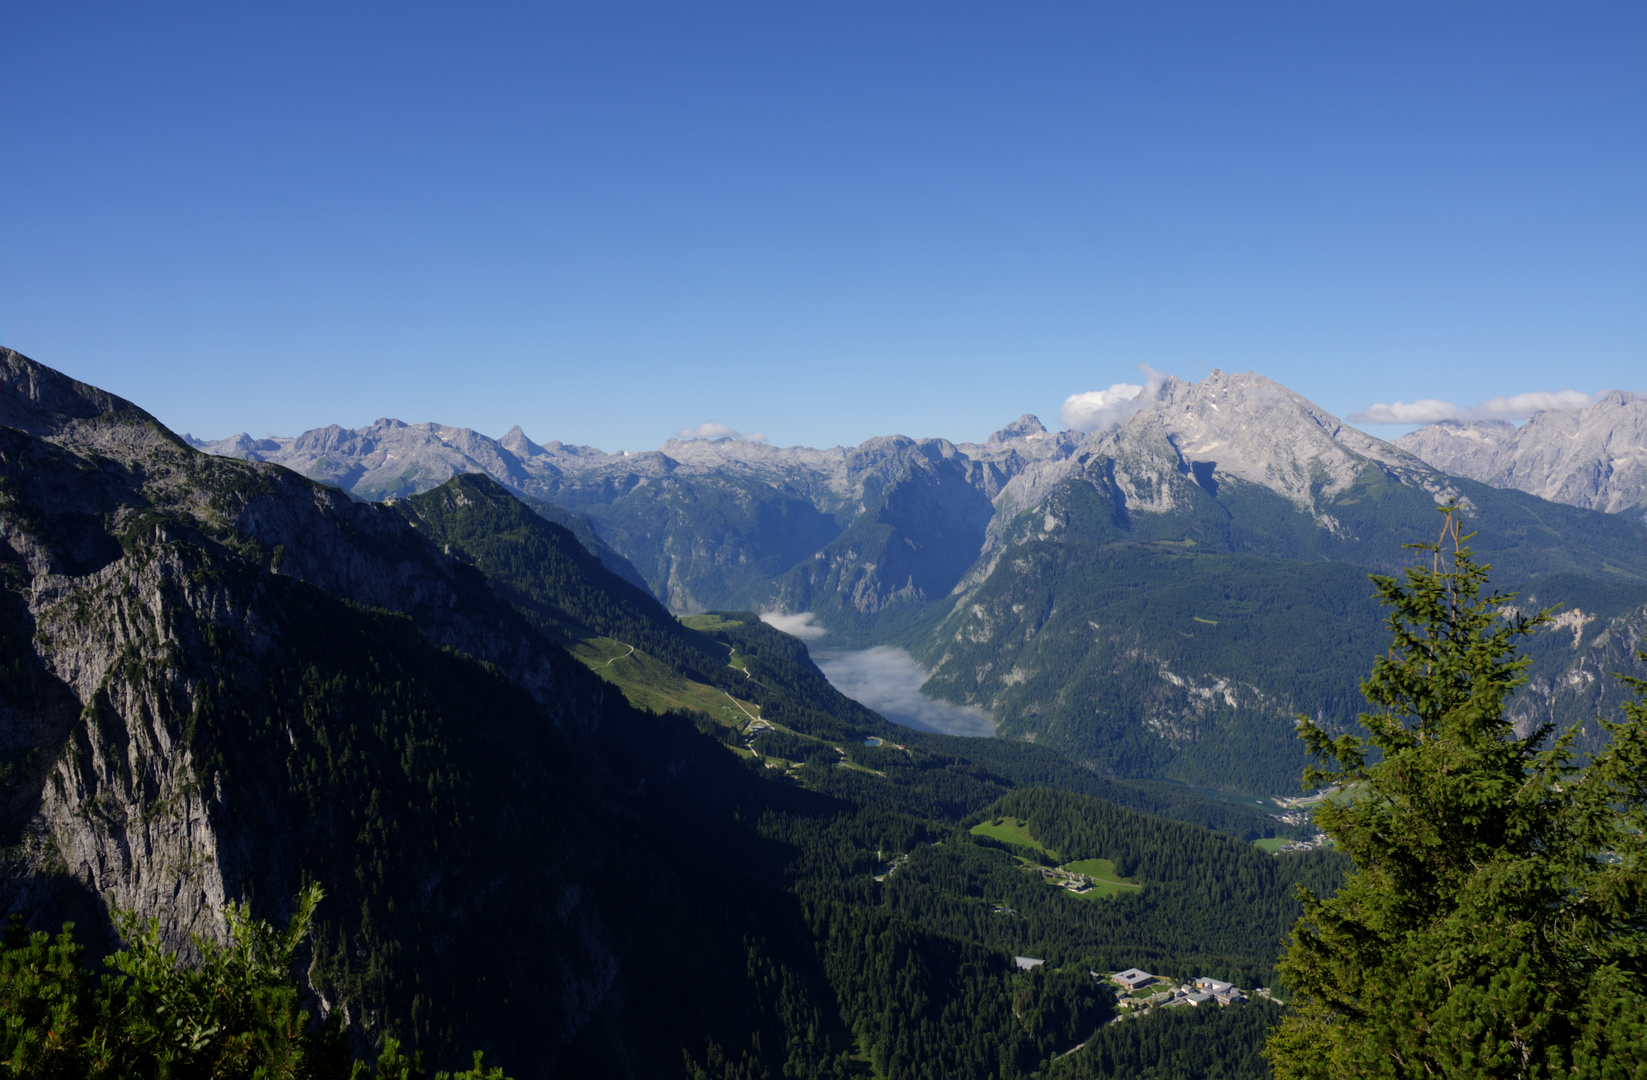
x: 1177, y: 657
x: 724, y: 664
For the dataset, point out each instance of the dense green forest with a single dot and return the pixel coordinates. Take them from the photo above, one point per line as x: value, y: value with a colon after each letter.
x: 1210, y: 1044
x: 1165, y: 659
x: 919, y: 962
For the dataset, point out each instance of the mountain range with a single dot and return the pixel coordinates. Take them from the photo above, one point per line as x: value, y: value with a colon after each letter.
x: 1155, y: 599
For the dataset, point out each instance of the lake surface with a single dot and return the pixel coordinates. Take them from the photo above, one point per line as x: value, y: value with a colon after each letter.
x: 888, y: 680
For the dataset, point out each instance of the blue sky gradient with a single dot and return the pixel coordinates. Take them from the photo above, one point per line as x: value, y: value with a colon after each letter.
x: 822, y: 222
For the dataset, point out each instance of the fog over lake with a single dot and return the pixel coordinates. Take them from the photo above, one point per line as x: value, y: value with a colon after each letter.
x: 887, y: 679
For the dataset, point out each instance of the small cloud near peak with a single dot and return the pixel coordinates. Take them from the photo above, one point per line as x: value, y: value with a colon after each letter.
x: 1423, y: 411
x: 1514, y: 407
x: 1093, y: 410
x: 1521, y: 406
x: 711, y: 429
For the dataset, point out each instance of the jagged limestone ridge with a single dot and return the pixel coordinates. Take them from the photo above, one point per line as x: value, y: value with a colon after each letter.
x: 1594, y: 457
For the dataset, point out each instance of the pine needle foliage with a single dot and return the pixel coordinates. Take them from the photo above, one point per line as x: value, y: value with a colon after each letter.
x: 1495, y: 924
x: 236, y: 1014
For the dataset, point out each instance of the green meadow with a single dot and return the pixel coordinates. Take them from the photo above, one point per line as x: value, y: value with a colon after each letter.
x: 1105, y: 881
x: 1012, y: 831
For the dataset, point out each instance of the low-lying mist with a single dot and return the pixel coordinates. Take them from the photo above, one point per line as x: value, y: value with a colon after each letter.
x: 888, y: 680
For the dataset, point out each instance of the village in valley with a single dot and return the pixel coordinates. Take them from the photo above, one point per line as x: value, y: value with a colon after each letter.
x: 1139, y: 992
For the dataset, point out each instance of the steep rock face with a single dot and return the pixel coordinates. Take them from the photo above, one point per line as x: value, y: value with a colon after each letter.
x: 1254, y: 429
x: 1594, y: 457
x: 219, y: 679
x: 1235, y: 461
x: 906, y: 550
x: 127, y: 556
x: 1240, y: 429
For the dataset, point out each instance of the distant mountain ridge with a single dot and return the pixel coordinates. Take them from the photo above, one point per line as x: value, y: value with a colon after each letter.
x: 753, y: 511
x: 1157, y: 598
x: 890, y: 524
x: 1594, y: 457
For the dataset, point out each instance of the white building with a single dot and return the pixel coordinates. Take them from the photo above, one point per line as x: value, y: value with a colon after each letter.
x: 1132, y: 978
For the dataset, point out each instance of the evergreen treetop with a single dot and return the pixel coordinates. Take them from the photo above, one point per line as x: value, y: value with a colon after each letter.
x: 1495, y: 923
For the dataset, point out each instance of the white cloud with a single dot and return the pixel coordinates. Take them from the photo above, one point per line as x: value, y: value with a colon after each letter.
x: 1521, y: 406
x: 1097, y: 409
x: 711, y: 429
x: 800, y: 625
x: 1424, y: 411
x: 1515, y: 407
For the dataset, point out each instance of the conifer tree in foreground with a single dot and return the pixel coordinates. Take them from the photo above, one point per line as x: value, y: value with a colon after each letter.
x: 234, y: 1015
x: 1496, y: 921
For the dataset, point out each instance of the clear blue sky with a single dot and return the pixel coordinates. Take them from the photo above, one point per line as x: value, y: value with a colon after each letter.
x: 819, y: 221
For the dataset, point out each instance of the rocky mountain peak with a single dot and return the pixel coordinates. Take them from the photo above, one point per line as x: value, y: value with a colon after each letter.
x: 516, y: 442
x: 335, y: 438
x: 1250, y: 427
x: 1025, y: 427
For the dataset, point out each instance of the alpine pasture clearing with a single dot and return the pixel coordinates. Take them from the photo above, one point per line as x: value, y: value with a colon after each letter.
x: 1012, y: 831
x: 1105, y: 881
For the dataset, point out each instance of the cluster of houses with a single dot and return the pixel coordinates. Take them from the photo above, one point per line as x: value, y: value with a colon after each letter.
x: 1197, y: 992
x: 750, y: 733
x: 1064, y: 879
x: 1301, y: 811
